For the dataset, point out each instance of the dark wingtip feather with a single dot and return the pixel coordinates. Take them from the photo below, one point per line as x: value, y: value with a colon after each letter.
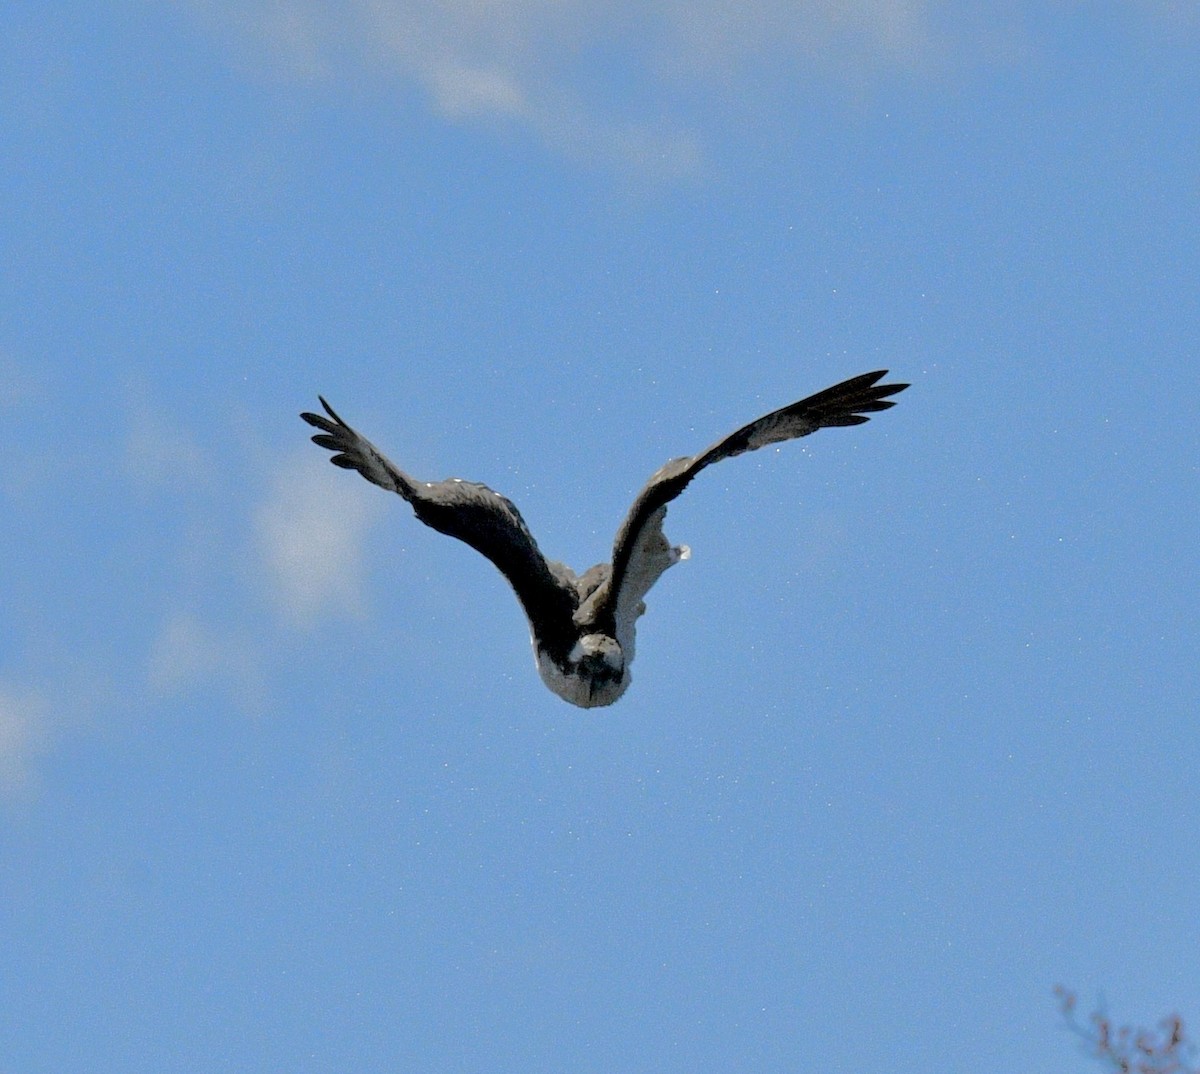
x: 868, y: 380
x: 335, y: 436
x: 319, y: 420
x: 330, y: 411
x: 855, y: 397
x: 846, y: 419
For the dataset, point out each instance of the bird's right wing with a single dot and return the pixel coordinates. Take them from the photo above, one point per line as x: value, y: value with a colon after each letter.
x: 640, y: 536
x: 473, y: 513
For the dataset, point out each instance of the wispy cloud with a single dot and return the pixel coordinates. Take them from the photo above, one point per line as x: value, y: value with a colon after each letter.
x: 160, y: 453
x: 237, y: 566
x: 310, y: 532
x: 636, y: 85
x: 188, y: 655
x: 184, y: 652
x: 522, y: 63
x: 887, y: 34
x: 304, y: 549
x: 23, y: 735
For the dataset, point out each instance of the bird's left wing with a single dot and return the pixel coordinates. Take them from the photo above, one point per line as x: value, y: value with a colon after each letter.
x: 487, y: 521
x: 640, y: 538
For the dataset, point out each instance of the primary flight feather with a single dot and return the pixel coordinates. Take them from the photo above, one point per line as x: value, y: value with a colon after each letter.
x: 582, y: 626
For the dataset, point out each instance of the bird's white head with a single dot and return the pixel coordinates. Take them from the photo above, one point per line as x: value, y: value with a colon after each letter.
x: 594, y: 673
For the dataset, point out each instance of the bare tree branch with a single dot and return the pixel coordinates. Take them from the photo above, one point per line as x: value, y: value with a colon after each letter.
x: 1126, y: 1050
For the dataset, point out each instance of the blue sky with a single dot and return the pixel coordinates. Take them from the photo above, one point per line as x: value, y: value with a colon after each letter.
x: 912, y: 736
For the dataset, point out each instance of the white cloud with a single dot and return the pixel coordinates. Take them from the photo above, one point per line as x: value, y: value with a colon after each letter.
x: 521, y: 43
x: 310, y: 534
x: 300, y: 545
x: 159, y: 453
x: 630, y: 83
x: 23, y: 735
x: 1177, y: 14
x: 520, y: 62
x: 469, y: 91
x: 886, y: 33
x: 303, y: 553
x: 184, y: 653
x: 188, y: 655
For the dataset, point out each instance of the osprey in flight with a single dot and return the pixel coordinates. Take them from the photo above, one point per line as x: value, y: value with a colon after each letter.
x: 582, y: 626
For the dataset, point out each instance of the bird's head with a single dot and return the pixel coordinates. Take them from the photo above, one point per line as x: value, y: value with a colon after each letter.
x: 593, y: 675
x: 599, y: 657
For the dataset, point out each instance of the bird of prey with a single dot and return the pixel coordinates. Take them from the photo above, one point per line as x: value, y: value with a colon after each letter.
x: 582, y: 626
